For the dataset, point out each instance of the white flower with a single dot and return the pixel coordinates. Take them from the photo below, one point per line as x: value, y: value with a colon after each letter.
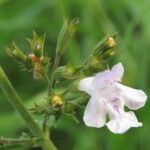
x: 110, y: 97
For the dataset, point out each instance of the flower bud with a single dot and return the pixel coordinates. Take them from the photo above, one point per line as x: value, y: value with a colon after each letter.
x: 66, y: 33
x: 16, y: 53
x: 111, y: 42
x: 68, y: 72
x: 20, y: 57
x: 104, y: 45
x: 109, y: 53
x: 56, y: 101
x: 37, y: 44
x: 96, y: 62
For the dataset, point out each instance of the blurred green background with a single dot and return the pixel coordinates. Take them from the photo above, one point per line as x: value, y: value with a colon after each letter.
x: 130, y: 18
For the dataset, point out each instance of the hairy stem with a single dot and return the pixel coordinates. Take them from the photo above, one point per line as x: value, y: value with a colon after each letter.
x: 56, y: 63
x: 65, y: 35
x: 16, y: 101
x: 4, y: 142
x: 50, y: 87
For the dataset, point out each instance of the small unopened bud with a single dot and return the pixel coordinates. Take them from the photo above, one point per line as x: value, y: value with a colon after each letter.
x: 37, y: 44
x: 104, y: 45
x: 96, y: 62
x: 111, y: 42
x: 69, y: 71
x: 66, y: 33
x: 41, y: 58
x: 56, y: 101
x: 64, y: 72
x: 113, y: 53
x: 16, y: 53
x: 20, y: 57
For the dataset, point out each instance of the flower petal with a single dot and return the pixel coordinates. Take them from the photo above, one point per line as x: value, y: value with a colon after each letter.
x: 106, y: 77
x: 86, y: 85
x: 133, y: 98
x: 117, y: 72
x: 122, y: 124
x: 102, y: 79
x: 120, y: 121
x: 94, y: 115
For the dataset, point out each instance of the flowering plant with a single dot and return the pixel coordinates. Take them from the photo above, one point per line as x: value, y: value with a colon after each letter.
x: 108, y: 96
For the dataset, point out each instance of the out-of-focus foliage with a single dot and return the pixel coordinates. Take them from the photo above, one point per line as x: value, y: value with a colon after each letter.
x: 97, y: 19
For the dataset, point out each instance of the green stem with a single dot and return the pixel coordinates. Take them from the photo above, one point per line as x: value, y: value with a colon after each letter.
x: 16, y: 101
x: 50, y: 87
x: 45, y: 128
x: 48, y: 144
x: 64, y: 36
x: 56, y: 63
x: 4, y: 142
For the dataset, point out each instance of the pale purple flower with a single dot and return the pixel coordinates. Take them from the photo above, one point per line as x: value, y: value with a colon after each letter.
x: 110, y: 97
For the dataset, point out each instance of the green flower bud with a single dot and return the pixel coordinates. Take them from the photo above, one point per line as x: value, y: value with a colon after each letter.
x: 20, y: 57
x: 96, y: 62
x: 111, y: 42
x: 37, y: 44
x: 104, y: 45
x: 68, y: 72
x: 16, y: 53
x: 66, y: 33
x: 108, y: 54
x: 56, y: 101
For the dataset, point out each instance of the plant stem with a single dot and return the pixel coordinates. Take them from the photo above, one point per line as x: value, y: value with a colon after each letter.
x: 56, y: 63
x: 45, y: 128
x: 16, y: 101
x: 50, y: 87
x: 48, y: 144
x: 66, y: 33
x: 4, y: 142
